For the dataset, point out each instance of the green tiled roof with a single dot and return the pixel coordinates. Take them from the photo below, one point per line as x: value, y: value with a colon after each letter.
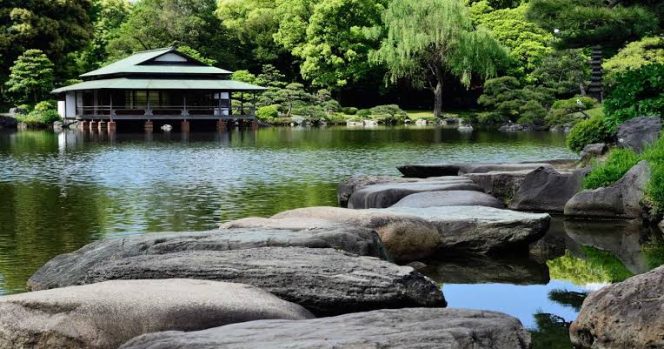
x: 132, y: 65
x: 160, y: 84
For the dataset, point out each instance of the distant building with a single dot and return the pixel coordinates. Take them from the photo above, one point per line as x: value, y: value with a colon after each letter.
x: 161, y: 84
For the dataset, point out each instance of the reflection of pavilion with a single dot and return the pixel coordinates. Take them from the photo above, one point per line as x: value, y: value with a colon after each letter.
x: 156, y: 85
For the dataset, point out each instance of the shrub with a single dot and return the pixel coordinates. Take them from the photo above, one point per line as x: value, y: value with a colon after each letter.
x: 618, y: 162
x: 509, y: 102
x: 388, y: 112
x: 46, y: 105
x: 39, y: 118
x: 364, y: 113
x: 593, y: 130
x: 654, y: 154
x: 267, y: 112
x: 564, y: 111
x: 349, y: 110
x: 636, y: 93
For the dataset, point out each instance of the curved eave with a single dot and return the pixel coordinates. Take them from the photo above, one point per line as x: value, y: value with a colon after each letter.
x: 160, y: 84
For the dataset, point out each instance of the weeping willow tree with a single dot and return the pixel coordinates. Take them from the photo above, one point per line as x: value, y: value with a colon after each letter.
x: 428, y: 41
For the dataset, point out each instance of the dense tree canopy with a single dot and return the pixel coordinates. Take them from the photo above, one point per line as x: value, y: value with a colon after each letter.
x: 31, y: 77
x: 427, y: 40
x: 161, y: 23
x: 635, y: 55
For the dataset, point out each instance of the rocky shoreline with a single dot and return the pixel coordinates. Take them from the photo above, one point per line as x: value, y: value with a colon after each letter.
x: 334, y: 276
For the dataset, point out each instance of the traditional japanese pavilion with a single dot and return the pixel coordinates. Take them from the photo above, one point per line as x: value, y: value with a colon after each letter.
x: 161, y: 84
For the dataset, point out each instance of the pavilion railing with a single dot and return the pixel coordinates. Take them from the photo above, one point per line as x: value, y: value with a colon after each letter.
x: 179, y: 110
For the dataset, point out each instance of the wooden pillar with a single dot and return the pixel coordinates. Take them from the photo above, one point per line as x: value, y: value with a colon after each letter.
x: 93, y: 125
x: 185, y: 126
x: 221, y: 125
x: 148, y: 126
x: 101, y: 125
x: 83, y: 125
x: 112, y: 126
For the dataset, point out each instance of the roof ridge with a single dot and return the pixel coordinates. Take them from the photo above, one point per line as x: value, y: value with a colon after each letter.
x: 156, y: 49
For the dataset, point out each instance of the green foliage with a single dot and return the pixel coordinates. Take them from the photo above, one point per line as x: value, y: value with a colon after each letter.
x: 635, y: 55
x: 193, y: 53
x: 161, y: 23
x: 618, y: 162
x: 654, y: 154
x: 591, y: 22
x: 43, y: 114
x: 636, y: 93
x: 508, y: 101
x: 253, y: 24
x: 55, y: 27
x: 337, y: 45
x: 267, y: 112
x: 427, y: 40
x: 552, y: 332
x: 390, y: 113
x: 563, y: 72
x: 593, y: 130
x: 567, y: 111
x: 108, y: 16
x: 528, y: 44
x: 349, y: 110
x: 31, y: 77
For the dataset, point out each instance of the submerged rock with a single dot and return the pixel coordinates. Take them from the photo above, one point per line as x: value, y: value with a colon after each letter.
x: 620, y: 200
x: 415, y: 233
x: 386, y: 195
x: 404, y: 328
x: 107, y: 314
x: 67, y: 269
x: 627, y: 314
x: 547, y: 190
x: 449, y: 198
x: 638, y: 133
x: 323, y: 280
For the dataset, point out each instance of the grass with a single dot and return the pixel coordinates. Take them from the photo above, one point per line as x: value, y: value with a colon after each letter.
x: 596, y: 112
x: 618, y: 162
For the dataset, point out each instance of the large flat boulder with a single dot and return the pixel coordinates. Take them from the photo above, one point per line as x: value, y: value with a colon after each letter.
x: 501, y: 184
x: 68, y: 268
x: 436, y: 170
x: 404, y: 328
x: 413, y: 233
x: 620, y: 200
x: 387, y: 194
x: 449, y: 198
x: 629, y: 314
x: 348, y: 186
x: 107, y: 314
x: 547, y: 190
x: 323, y: 280
x: 638, y: 133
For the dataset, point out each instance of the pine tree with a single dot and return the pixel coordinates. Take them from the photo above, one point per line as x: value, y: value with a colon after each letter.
x: 30, y: 78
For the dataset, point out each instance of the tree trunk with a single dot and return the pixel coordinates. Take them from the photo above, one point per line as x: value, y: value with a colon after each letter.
x: 438, y: 100
x: 596, y: 87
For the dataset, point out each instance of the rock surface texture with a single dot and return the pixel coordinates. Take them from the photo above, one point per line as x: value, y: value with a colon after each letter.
x: 501, y: 184
x: 638, y: 133
x: 107, y: 314
x: 435, y: 170
x: 547, y: 190
x: 620, y: 200
x: 348, y: 186
x: 387, y: 194
x: 413, y: 233
x: 323, y: 280
x: 629, y: 314
x: 449, y: 198
x: 404, y: 328
x: 67, y: 269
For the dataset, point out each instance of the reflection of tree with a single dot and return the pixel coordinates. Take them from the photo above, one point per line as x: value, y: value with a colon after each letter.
x: 593, y: 267
x: 568, y: 298
x: 654, y: 253
x: 39, y: 221
x: 552, y: 332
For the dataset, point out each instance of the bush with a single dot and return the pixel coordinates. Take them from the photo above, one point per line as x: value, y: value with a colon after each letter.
x: 267, y: 112
x: 564, y: 111
x: 593, y: 130
x: 349, y: 110
x: 636, y: 93
x: 39, y: 118
x: 364, y: 113
x: 654, y: 154
x: 618, y: 162
x: 509, y: 102
x: 46, y: 105
x: 388, y: 112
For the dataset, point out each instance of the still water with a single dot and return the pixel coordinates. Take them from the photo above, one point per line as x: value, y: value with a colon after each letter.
x: 61, y: 191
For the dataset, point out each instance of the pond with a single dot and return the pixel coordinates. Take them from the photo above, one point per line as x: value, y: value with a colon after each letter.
x: 59, y: 192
